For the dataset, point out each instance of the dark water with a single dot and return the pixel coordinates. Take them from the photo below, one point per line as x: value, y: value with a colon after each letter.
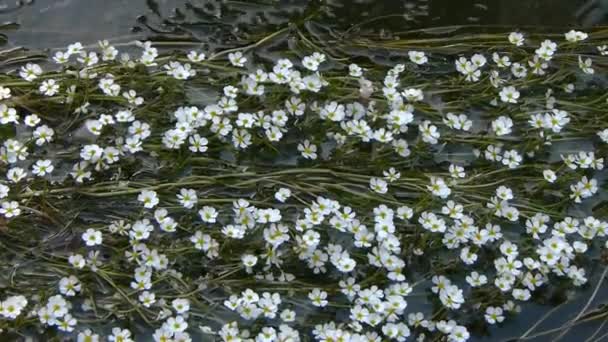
x: 56, y: 23
x: 220, y: 24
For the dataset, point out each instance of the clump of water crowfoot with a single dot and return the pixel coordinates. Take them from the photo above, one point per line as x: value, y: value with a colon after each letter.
x: 126, y: 205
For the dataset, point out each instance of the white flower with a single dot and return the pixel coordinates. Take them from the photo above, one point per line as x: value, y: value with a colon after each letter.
x: 108, y: 86
x: 208, y: 214
x: 453, y: 210
x: 460, y: 122
x: 108, y: 51
x: 451, y: 296
x: 585, y: 65
x: 378, y: 185
x: 132, y: 98
x: 401, y: 147
x: 429, y: 132
x: 308, y: 150
x: 237, y: 59
x: 61, y: 57
x: 575, y: 36
x: 354, y: 70
x: 43, y: 134
x: 439, y: 188
x: 310, y: 63
x: 91, y: 153
x: 49, y: 87
x: 538, y: 66
x: 456, y: 171
x: 494, y: 315
x: 396, y: 331
x: 501, y: 61
x: 391, y: 174
x: 546, y: 50
x: 42, y: 168
x: 92, y: 237
x: 77, y: 261
x: 69, y: 286
x: 343, y: 262
x: 8, y: 115
x: 231, y: 91
x: 31, y: 120
x: 141, y: 229
x: 580, y: 247
x: 478, y: 60
x: 87, y: 336
x: 147, y: 298
x: 168, y: 225
x: 549, y: 176
x: 249, y: 260
x: 198, y: 143
x: 16, y: 174
x: 509, y: 94
x: 179, y: 71
x: 518, y: 70
x: 504, y: 193
x: 333, y: 111
x: 124, y: 116
x: 120, y: 335
x: 520, y: 294
x: 475, y: 279
x: 603, y: 134
x: 74, y: 49
x: 282, y: 194
x: 10, y: 209
x: 502, y: 125
x: 516, y: 38
x: 577, y: 275
x: 195, y: 56
x: 288, y: 316
x: 512, y: 159
x: 318, y: 297
x: 181, y: 305
x: 418, y: 57
x: 383, y: 135
x: 4, y: 190
x: 148, y: 198
x: 274, y: 133
x: 187, y: 198
x: 12, y: 306
x: 132, y: 145
x: 469, y: 69
x: 57, y: 306
x: 295, y: 106
x: 30, y: 72
x: 5, y: 93
x: 139, y: 130
x: 458, y: 334
x: 556, y: 120
x: 413, y: 95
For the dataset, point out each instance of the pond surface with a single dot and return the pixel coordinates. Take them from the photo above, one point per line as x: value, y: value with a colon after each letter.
x: 56, y: 23
x: 220, y: 24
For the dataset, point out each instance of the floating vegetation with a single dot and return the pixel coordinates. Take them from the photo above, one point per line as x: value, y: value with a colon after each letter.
x: 324, y: 194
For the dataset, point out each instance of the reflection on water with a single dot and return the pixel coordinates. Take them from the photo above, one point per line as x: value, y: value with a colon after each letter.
x: 43, y: 22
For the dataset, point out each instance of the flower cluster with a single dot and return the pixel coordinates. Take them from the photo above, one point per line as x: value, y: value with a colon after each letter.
x: 303, y: 199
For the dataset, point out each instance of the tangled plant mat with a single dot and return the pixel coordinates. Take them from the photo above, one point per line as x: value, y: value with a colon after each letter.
x: 174, y: 197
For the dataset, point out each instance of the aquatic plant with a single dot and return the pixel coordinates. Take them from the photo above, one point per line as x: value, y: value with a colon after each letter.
x: 217, y: 195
